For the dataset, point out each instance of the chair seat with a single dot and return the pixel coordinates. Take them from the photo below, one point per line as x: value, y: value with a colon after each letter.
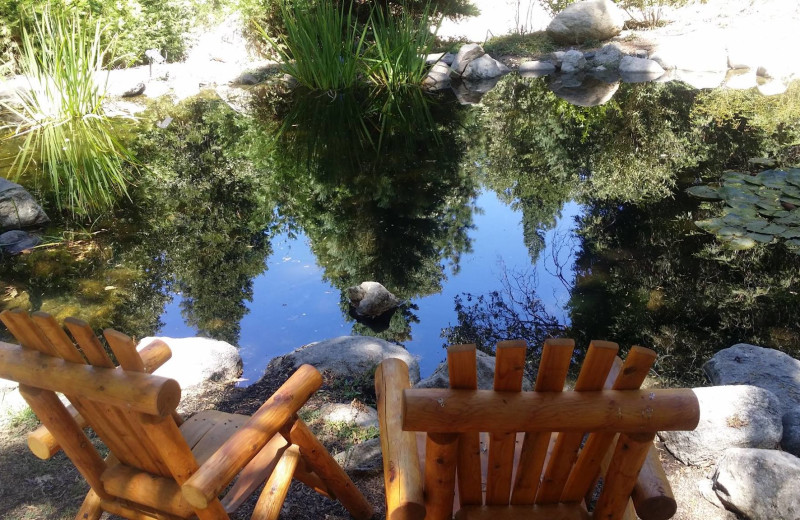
x: 547, y: 512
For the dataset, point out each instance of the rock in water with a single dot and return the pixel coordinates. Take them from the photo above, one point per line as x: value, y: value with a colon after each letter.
x: 136, y: 90
x: 16, y: 241
x: 17, y: 207
x: 484, y: 67
x: 371, y: 299
x: 466, y: 54
x: 587, y: 20
x: 759, y: 484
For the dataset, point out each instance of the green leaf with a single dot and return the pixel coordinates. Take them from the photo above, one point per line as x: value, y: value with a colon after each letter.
x: 741, y: 243
x: 704, y: 193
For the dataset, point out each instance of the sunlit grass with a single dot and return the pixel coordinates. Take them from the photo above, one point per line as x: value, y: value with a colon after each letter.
x: 58, y: 118
x: 401, y: 42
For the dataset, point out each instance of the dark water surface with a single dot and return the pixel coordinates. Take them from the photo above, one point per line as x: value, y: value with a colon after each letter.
x: 525, y: 216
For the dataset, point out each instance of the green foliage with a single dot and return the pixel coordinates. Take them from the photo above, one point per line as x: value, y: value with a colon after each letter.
x: 322, y: 46
x: 60, y: 122
x: 533, y: 44
x: 136, y: 25
x: 648, y: 12
x: 759, y: 208
x: 399, y: 44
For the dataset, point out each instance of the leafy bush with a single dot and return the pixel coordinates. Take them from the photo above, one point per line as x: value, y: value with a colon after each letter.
x: 59, y: 118
x: 647, y: 12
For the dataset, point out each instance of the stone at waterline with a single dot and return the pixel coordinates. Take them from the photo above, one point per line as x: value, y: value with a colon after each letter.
x: 791, y: 431
x: 484, y: 67
x: 470, y: 92
x: 364, y: 458
x: 730, y: 417
x: 16, y: 241
x: 198, y: 365
x: 758, y: 483
x: 466, y: 54
x: 371, y: 299
x: 587, y: 20
x: 573, y: 61
x: 349, y: 356
x: 438, y: 78
x: 136, y: 90
x: 640, y: 66
x: 536, y: 68
x: 445, y: 57
x: 586, y: 91
x: 356, y: 413
x: 18, y: 209
x: 485, y: 363
x: 609, y: 56
x: 771, y: 369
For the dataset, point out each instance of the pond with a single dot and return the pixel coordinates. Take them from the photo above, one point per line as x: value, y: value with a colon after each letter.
x: 525, y: 216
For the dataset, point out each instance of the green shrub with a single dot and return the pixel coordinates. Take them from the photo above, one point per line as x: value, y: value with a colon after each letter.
x: 59, y: 120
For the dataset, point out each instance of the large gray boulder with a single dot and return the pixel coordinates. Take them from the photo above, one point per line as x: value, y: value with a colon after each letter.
x: 198, y: 364
x: 587, y: 20
x: 371, y: 299
x: 486, y: 363
x: 362, y: 459
x: 356, y: 413
x: 350, y: 356
x: 730, y: 417
x: 767, y: 368
x: 759, y: 484
x: 17, y: 207
x: 466, y: 54
x: 791, y: 431
x: 484, y: 67
x: 640, y: 66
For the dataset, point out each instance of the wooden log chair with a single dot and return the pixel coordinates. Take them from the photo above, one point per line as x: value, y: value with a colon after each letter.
x: 159, y: 466
x: 506, y: 454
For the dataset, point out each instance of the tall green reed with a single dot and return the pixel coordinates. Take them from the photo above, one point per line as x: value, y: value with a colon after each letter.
x: 400, y: 43
x: 59, y: 120
x: 322, y: 45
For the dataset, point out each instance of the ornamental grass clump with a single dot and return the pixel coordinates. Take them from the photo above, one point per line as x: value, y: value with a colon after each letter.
x: 322, y: 45
x: 58, y: 119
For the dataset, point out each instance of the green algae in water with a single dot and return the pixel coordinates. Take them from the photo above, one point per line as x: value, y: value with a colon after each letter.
x: 759, y: 208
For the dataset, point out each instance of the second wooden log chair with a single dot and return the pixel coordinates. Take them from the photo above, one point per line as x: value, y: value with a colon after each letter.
x: 159, y: 466
x: 511, y: 454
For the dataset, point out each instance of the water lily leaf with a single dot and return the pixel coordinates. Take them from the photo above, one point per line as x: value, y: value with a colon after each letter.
x: 791, y: 191
x: 731, y: 193
x: 741, y: 243
x: 773, y: 229
x: 730, y: 231
x: 781, y: 214
x: 704, y: 193
x: 756, y: 225
x: 793, y: 245
x: 791, y: 233
x: 760, y: 237
x: 753, y: 179
x: 711, y: 225
x: 790, y: 200
x: 793, y: 176
x: 792, y: 219
x: 773, y: 178
x: 735, y: 219
x: 769, y: 193
x: 734, y: 176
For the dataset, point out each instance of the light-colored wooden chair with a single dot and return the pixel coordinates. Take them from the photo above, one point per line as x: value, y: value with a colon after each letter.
x: 506, y: 454
x: 159, y: 466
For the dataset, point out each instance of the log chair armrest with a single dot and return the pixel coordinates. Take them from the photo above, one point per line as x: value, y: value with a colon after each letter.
x: 401, y: 470
x: 42, y: 443
x: 225, y: 463
x: 155, y: 354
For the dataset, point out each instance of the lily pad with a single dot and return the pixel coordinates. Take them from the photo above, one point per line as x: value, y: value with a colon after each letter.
x: 740, y: 193
x: 773, y: 229
x: 711, y: 225
x: 773, y: 178
x: 791, y: 191
x: 730, y: 231
x: 756, y: 225
x: 791, y: 233
x: 792, y: 219
x: 704, y: 193
x: 790, y: 200
x: 753, y: 179
x: 741, y: 243
x: 793, y: 176
x: 760, y: 237
x: 733, y: 176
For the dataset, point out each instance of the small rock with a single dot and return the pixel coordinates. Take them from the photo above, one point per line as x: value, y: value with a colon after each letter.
x: 354, y: 413
x: 466, y: 54
x: 486, y: 363
x: 641, y: 66
x: 372, y: 299
x: 557, y: 58
x: 445, y: 57
x: 587, y: 20
x: 18, y: 209
x: 350, y: 356
x: 609, y: 56
x: 573, y: 61
x: 438, y: 78
x: 759, y: 483
x: 484, y: 67
x: 730, y: 417
x: 536, y: 68
x: 791, y: 431
x: 246, y: 79
x: 16, y: 241
x: 136, y: 90
x: 641, y: 53
x: 364, y: 458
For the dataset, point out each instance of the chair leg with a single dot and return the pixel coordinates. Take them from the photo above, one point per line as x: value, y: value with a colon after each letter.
x: 90, y: 509
x: 271, y: 500
x: 330, y: 472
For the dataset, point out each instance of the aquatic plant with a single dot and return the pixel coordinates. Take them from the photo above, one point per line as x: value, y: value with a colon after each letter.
x: 759, y: 208
x: 401, y: 41
x: 322, y: 45
x: 59, y: 119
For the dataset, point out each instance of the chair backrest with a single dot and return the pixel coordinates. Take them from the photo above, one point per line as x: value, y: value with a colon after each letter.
x: 130, y: 410
x: 544, y: 446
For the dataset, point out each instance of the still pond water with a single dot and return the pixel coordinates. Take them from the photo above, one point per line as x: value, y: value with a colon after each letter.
x: 526, y: 216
